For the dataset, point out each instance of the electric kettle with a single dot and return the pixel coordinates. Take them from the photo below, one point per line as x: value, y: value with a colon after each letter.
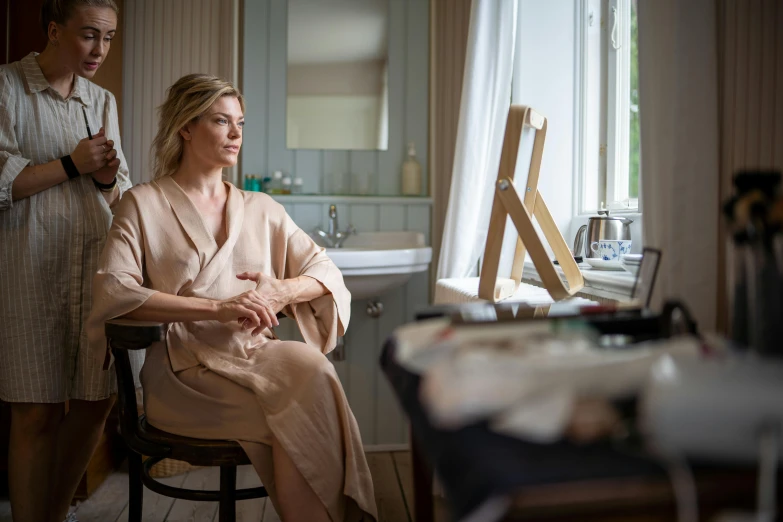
x: 601, y: 227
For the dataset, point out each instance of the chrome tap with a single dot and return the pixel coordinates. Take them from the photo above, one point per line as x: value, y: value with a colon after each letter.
x: 333, y: 237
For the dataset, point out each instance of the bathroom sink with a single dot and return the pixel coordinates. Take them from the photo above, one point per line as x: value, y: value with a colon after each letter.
x: 372, y: 263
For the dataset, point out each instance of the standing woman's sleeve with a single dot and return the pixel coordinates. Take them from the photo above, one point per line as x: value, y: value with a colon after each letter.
x: 11, y: 161
x: 112, y: 125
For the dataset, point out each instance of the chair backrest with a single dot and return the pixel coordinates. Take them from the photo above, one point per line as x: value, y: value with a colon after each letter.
x: 530, y: 149
x: 123, y: 335
x: 508, y: 206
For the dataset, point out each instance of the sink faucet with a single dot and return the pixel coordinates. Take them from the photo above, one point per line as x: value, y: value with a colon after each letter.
x: 333, y: 237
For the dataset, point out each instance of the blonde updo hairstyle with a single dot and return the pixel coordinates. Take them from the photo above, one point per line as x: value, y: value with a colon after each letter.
x: 186, y: 101
x: 60, y: 11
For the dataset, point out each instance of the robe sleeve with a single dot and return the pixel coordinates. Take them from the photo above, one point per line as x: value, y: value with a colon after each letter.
x: 118, y: 285
x: 325, y: 318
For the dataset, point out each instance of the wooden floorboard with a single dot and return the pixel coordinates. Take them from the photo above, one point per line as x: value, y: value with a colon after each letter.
x: 402, y: 463
x: 189, y: 511
x: 107, y: 502
x: 156, y: 507
x: 391, y: 477
x: 388, y: 495
x: 270, y: 515
x: 249, y: 510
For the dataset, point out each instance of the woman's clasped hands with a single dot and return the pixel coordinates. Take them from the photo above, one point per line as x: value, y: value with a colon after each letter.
x: 97, y: 157
x: 256, y: 309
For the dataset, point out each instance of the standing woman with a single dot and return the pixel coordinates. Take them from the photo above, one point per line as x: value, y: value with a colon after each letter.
x: 57, y: 187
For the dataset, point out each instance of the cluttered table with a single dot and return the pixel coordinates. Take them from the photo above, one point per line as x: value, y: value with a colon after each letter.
x: 489, y: 473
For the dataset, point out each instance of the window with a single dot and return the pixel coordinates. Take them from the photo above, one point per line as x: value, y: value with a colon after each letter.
x: 609, y: 105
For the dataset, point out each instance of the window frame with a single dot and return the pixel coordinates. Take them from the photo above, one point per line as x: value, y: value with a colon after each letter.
x: 603, y: 75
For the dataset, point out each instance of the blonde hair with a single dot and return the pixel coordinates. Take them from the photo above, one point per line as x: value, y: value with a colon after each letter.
x: 186, y: 101
x: 60, y: 11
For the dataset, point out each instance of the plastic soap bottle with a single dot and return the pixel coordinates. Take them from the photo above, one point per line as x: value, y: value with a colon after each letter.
x: 411, y: 173
x: 298, y: 187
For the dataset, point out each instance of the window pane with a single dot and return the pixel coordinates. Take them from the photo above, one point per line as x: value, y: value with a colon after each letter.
x: 634, y: 146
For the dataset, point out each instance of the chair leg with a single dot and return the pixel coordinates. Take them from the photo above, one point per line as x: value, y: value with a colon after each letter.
x: 228, y: 493
x: 135, y: 487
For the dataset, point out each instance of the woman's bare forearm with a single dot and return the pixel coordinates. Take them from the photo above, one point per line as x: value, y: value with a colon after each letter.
x: 305, y: 288
x: 167, y: 308
x: 37, y: 178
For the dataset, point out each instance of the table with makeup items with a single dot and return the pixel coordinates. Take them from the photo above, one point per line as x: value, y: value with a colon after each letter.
x: 486, y: 475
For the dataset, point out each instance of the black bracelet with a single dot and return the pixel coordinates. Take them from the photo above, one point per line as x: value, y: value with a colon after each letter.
x: 105, y: 187
x: 69, y: 167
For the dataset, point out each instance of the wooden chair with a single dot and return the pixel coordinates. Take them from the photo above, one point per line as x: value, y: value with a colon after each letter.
x: 508, y: 202
x: 143, y: 439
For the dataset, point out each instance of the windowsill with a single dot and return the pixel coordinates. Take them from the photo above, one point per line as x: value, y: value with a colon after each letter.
x: 606, y: 284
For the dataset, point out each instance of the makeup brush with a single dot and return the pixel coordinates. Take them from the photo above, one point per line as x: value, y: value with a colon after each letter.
x: 87, y: 123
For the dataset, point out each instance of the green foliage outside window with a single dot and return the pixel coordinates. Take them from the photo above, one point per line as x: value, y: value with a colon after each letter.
x: 634, y: 166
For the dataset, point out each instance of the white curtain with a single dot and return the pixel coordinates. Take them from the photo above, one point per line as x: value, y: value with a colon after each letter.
x: 678, y: 93
x: 486, y: 95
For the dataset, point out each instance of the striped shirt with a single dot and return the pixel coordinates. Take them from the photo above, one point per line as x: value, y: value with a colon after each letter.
x: 50, y: 242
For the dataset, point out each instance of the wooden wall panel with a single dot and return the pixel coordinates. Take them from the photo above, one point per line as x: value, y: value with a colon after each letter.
x: 264, y: 85
x: 380, y: 418
x: 165, y: 40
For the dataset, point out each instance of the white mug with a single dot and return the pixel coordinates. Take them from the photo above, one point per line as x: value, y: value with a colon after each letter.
x: 611, y: 249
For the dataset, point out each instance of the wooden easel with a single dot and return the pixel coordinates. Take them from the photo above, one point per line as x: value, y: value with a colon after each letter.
x: 508, y: 203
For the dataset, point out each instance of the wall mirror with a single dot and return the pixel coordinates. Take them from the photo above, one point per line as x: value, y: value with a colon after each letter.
x: 337, y: 89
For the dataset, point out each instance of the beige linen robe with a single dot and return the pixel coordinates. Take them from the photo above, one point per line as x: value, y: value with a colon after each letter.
x: 215, y: 380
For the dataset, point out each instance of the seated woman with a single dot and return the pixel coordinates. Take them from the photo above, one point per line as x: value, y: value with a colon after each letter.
x: 218, y: 264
